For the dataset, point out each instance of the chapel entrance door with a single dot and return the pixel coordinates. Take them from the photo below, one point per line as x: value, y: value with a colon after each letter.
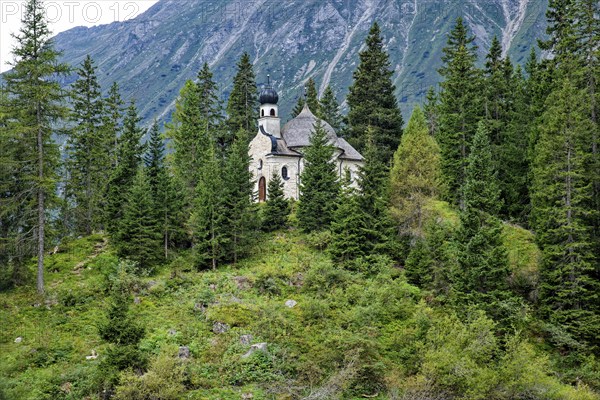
x: 262, y: 189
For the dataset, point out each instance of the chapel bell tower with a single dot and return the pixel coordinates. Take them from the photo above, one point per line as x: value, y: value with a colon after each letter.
x: 269, y: 112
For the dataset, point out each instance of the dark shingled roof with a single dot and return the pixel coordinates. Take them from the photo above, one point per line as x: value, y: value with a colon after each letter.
x: 296, y: 133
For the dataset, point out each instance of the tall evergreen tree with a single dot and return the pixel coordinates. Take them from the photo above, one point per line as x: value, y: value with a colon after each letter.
x: 123, y: 334
x: 129, y: 156
x: 211, y: 109
x: 482, y: 277
x: 349, y: 228
x: 415, y: 177
x: 299, y: 105
x: 240, y: 211
x: 373, y: 198
x: 277, y: 208
x: 319, y: 187
x: 89, y: 151
x: 372, y: 101
x: 207, y: 222
x: 330, y: 109
x: 34, y: 105
x: 166, y: 198
x: 189, y: 140
x: 112, y: 120
x: 431, y: 111
x: 139, y: 234
x: 482, y: 189
x: 459, y: 107
x: 312, y: 97
x: 243, y: 100
x: 561, y: 214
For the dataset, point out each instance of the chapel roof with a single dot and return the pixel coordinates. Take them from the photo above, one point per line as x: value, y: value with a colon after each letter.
x: 297, y: 132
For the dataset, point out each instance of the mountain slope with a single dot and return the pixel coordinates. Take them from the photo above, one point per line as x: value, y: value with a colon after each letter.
x: 347, y: 334
x: 152, y: 55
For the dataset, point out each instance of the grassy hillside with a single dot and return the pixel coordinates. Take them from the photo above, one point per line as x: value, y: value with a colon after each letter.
x: 352, y: 334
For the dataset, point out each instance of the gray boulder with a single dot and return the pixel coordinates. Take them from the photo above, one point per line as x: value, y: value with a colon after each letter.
x: 258, y: 347
x: 220, y: 327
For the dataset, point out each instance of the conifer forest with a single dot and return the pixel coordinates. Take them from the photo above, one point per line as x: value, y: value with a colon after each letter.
x: 136, y: 261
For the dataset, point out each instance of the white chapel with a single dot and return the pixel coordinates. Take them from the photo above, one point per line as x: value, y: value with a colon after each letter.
x: 280, y: 151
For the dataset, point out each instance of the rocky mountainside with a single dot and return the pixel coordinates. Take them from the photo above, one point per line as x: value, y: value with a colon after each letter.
x: 152, y: 55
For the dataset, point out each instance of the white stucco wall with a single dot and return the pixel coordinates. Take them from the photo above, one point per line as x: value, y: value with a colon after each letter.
x: 260, y: 149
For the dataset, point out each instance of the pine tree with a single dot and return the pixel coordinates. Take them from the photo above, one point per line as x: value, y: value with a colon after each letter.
x: 561, y: 197
x: 129, y: 156
x: 112, y: 119
x: 330, y: 110
x: 210, y: 109
x: 189, y: 140
x: 372, y: 101
x: 312, y: 97
x: 89, y: 151
x: 349, y: 228
x: 482, y: 277
x: 319, y: 187
x: 35, y: 105
x: 124, y: 335
x: 415, y: 177
x: 207, y: 222
x: 379, y: 231
x: 139, y: 234
x: 243, y: 100
x: 514, y: 170
x: 299, y: 106
x: 166, y: 198
x: 431, y: 110
x: 240, y: 211
x: 277, y: 208
x: 482, y: 189
x: 459, y: 107
x: 16, y: 218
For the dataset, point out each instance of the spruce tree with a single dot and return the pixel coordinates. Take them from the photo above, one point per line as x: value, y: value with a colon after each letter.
x: 319, y: 187
x: 561, y: 198
x: 312, y: 97
x: 482, y: 277
x: 299, y: 105
x: 207, y: 221
x: 431, y: 110
x: 243, y: 100
x: 371, y: 99
x: 16, y: 219
x: 330, y: 110
x: 240, y: 212
x: 373, y: 183
x: 415, y: 177
x: 277, y: 208
x: 89, y: 151
x: 459, y: 107
x: 349, y: 229
x: 112, y: 120
x: 166, y: 198
x: 210, y: 109
x: 129, y: 156
x: 139, y: 234
x: 189, y: 140
x: 482, y: 189
x: 123, y: 334
x: 35, y: 106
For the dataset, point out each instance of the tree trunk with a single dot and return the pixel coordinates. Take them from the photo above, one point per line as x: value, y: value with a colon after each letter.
x: 40, y: 205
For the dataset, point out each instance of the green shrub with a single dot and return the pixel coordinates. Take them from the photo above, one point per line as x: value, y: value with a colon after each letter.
x: 164, y: 380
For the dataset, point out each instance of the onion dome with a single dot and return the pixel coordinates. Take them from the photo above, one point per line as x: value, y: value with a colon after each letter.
x: 268, y: 95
